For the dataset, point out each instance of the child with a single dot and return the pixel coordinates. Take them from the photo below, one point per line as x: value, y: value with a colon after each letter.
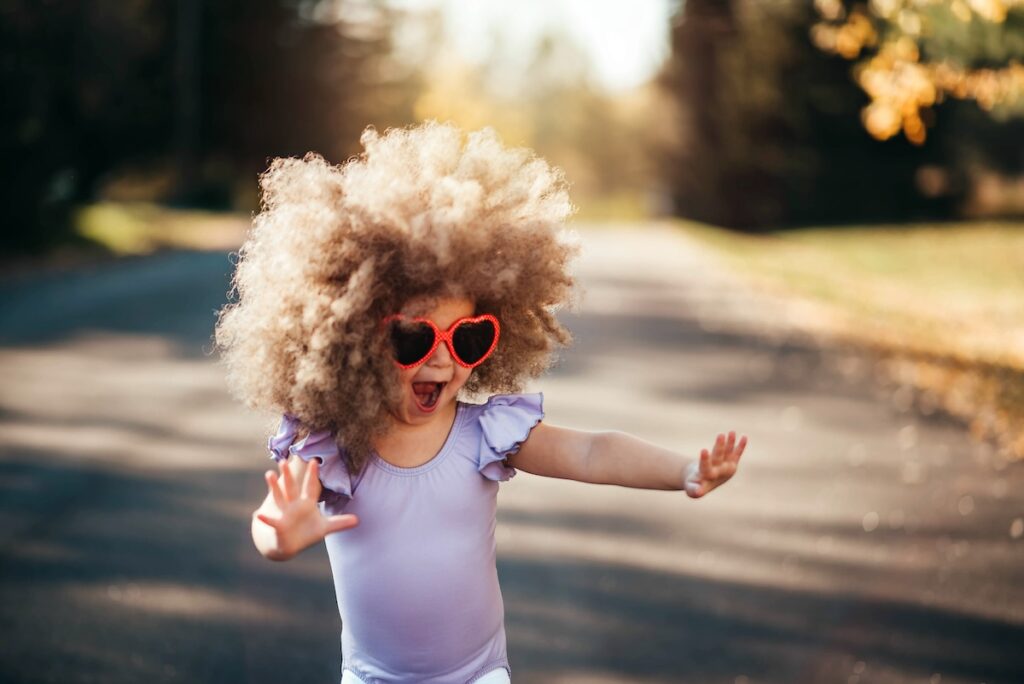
x: 373, y: 297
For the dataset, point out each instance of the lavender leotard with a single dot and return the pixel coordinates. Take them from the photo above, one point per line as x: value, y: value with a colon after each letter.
x: 416, y: 581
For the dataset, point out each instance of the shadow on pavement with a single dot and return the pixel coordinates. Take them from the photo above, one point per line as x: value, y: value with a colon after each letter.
x: 153, y: 577
x: 672, y: 628
x: 173, y: 293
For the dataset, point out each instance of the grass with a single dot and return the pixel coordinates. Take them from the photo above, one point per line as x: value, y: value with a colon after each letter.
x: 956, y: 290
x: 113, y: 229
x: 946, y: 300
x: 140, y: 228
x: 628, y: 206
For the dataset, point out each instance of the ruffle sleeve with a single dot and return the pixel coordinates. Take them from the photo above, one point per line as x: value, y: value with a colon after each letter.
x: 505, y: 421
x: 334, y: 474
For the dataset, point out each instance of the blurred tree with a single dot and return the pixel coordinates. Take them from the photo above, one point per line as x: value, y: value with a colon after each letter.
x: 210, y: 90
x: 188, y: 81
x: 767, y: 129
x: 698, y: 169
x: 454, y: 89
x: 550, y: 104
x: 88, y: 87
x: 945, y: 71
x: 913, y: 54
x: 283, y: 77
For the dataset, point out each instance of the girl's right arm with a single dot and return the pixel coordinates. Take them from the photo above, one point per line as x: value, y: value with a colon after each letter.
x: 289, y: 519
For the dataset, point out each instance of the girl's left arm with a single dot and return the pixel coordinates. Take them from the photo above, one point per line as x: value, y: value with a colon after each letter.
x: 613, y: 457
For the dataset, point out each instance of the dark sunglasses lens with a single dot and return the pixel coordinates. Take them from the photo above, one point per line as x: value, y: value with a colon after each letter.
x: 472, y: 340
x: 411, y: 341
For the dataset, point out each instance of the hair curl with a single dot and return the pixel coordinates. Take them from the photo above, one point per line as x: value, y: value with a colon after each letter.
x: 425, y: 211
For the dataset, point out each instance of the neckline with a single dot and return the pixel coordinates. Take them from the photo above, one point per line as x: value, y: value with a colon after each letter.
x: 449, y: 441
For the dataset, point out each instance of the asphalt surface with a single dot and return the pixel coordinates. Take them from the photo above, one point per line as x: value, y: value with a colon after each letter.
x: 863, y: 539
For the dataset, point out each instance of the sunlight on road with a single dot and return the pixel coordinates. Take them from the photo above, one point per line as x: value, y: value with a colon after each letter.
x: 128, y: 400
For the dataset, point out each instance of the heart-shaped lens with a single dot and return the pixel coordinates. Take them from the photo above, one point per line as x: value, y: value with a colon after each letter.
x: 472, y: 341
x: 411, y: 341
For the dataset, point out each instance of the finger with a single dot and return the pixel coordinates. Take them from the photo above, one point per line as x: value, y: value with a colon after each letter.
x: 275, y: 489
x: 309, y: 479
x: 716, y: 455
x: 705, y: 463
x: 289, y: 485
x: 727, y: 448
x: 739, y: 449
x: 719, y: 454
x: 276, y: 524
x: 337, y: 523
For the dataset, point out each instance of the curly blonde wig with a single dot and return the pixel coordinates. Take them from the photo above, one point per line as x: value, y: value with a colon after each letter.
x: 425, y: 211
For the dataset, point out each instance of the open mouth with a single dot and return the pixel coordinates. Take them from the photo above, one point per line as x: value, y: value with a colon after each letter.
x: 427, y: 393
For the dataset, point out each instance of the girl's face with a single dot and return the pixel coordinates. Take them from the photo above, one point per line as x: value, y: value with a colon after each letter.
x: 418, y: 383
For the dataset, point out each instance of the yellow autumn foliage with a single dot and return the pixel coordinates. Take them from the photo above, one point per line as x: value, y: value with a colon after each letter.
x: 900, y: 84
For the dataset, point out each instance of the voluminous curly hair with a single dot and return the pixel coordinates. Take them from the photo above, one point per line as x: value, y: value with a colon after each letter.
x: 425, y: 211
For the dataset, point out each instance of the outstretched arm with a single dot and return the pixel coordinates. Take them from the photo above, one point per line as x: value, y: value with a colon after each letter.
x: 619, y: 458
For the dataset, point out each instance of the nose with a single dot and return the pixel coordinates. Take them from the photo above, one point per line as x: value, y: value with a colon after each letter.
x: 442, y: 356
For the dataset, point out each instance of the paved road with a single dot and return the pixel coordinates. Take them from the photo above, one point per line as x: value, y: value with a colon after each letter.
x: 860, y: 542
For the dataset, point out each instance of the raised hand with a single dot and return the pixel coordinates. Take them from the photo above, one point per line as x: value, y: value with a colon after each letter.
x: 715, y: 468
x: 291, y: 508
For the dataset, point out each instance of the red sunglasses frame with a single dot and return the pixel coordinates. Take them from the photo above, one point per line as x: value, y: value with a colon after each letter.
x: 446, y: 337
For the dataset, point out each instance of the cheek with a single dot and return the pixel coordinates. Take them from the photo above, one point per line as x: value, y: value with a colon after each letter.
x: 461, y: 376
x: 405, y: 380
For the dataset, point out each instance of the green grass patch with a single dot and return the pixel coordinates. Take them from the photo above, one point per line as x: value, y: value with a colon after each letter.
x: 945, y: 301
x: 948, y: 288
x: 613, y: 207
x: 140, y: 228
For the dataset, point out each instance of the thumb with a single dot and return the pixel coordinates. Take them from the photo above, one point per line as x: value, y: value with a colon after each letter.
x: 337, y: 523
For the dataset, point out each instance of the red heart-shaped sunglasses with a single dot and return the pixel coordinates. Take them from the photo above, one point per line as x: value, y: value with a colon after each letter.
x: 470, y: 339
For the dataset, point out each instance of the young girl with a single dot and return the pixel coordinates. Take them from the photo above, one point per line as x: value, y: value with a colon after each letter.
x: 373, y: 298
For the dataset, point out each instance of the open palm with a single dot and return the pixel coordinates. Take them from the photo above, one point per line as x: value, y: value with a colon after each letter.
x: 715, y: 468
x: 292, y: 510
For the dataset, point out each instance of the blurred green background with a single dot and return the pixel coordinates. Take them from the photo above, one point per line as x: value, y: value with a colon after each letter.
x: 751, y: 115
